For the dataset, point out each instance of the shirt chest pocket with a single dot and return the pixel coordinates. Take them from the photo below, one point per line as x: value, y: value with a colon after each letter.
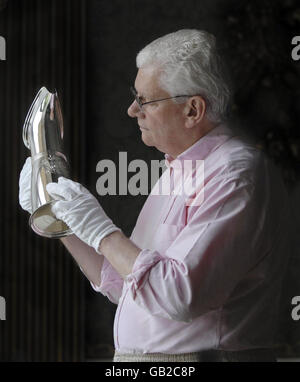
x: 174, y: 213
x: 164, y: 236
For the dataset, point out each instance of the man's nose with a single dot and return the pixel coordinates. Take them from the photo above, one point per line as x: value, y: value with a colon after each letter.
x: 133, y: 109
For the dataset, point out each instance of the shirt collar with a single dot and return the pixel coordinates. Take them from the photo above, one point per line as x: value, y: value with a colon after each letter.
x: 204, y: 146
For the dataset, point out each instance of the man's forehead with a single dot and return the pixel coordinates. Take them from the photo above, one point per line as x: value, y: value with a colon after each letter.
x: 147, y: 80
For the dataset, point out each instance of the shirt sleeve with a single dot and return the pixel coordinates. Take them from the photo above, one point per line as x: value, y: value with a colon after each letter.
x: 224, y: 238
x: 111, y: 283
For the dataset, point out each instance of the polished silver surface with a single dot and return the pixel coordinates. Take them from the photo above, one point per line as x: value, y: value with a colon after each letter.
x: 43, y: 135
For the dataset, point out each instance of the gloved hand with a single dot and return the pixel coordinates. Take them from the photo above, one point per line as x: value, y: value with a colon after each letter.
x: 81, y: 211
x: 25, y: 186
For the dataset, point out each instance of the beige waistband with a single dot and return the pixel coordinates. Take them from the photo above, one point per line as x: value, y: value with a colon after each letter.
x: 156, y: 357
x: 250, y: 355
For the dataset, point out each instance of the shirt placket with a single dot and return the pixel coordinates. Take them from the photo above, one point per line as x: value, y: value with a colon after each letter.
x: 175, y: 179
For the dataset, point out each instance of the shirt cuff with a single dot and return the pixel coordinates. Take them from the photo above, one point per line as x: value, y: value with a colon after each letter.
x: 140, y: 271
x: 111, y: 283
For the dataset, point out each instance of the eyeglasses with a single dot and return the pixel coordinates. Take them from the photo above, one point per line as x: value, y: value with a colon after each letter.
x: 141, y: 104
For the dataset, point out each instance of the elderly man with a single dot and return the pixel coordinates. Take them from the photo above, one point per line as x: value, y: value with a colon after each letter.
x: 200, y: 277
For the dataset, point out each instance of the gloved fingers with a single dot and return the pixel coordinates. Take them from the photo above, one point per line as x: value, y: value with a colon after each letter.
x: 25, y: 203
x: 77, y: 187
x: 25, y: 186
x: 61, y: 191
x: 54, y: 191
x: 25, y: 174
x: 27, y: 165
x: 81, y: 211
x: 68, y: 211
x: 60, y: 207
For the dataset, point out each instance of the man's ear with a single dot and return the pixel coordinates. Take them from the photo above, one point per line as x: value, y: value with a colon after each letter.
x: 194, y: 111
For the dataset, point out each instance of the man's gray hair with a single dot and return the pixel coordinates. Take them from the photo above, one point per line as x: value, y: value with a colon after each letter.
x: 190, y: 65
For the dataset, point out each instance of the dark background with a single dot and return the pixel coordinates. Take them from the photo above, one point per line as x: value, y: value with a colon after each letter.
x: 86, y: 50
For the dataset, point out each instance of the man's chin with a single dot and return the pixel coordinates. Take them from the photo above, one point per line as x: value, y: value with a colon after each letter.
x: 147, y: 140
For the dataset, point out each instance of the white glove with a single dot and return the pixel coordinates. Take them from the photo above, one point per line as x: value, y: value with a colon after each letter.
x: 25, y: 186
x: 81, y: 211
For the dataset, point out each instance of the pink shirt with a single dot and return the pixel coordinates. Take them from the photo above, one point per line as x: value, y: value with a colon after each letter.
x: 210, y: 271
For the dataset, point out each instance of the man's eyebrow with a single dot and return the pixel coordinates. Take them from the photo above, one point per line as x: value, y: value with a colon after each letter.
x: 144, y: 97
x: 140, y: 95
